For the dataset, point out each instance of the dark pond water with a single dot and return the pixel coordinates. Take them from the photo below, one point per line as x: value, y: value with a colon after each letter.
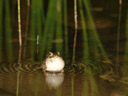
x: 100, y: 67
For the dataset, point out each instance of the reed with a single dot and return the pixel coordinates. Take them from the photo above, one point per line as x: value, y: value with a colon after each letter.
x: 27, y: 21
x: 1, y: 26
x: 90, y: 86
x: 19, y: 24
x: 49, y: 25
x: 44, y: 29
x: 33, y: 28
x: 18, y: 72
x: 36, y: 85
x: 27, y: 26
x: 39, y: 20
x: 118, y: 32
x: 59, y: 45
x: 95, y: 40
x: 18, y: 84
x: 86, y: 83
x: 93, y: 84
x: 85, y: 37
x: 85, y: 91
x: 8, y: 30
x: 72, y: 86
x: 65, y: 28
x: 126, y: 48
x: 76, y: 27
x: 36, y: 25
x: 125, y: 66
x: 39, y: 26
x: 53, y: 25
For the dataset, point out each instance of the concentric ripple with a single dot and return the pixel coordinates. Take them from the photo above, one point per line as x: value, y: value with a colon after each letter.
x: 14, y: 67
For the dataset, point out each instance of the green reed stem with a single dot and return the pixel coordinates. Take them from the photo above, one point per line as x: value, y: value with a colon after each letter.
x: 38, y: 26
x: 59, y: 45
x: 85, y: 88
x: 65, y: 28
x: 27, y: 21
x: 27, y: 25
x: 36, y: 85
x: 18, y: 71
x: 42, y: 11
x: 18, y: 84
x: 85, y: 37
x: 19, y: 24
x: 8, y: 30
x: 39, y: 22
x: 49, y: 25
x: 76, y: 27
x: 93, y: 32
x: 93, y: 85
x: 1, y: 26
x: 118, y: 33
x: 72, y: 90
x: 126, y: 48
x: 33, y: 28
x: 125, y: 65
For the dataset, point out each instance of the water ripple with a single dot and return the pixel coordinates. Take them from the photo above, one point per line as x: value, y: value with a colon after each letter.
x: 13, y: 67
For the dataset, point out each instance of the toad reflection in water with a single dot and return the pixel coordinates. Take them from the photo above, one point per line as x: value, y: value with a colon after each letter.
x: 54, y: 80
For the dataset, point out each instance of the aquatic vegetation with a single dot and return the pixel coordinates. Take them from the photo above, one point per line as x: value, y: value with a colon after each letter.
x: 46, y: 27
x: 126, y: 46
x: 65, y: 27
x: 125, y: 65
x: 76, y: 27
x: 85, y: 37
x: 119, y: 31
x: 1, y: 26
x: 36, y: 24
x: 8, y: 30
x: 5, y: 29
x: 91, y: 85
x: 91, y: 40
x: 48, y: 34
x: 19, y: 24
x: 87, y: 63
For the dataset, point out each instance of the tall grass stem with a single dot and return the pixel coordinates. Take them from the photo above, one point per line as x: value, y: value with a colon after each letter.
x: 19, y: 24
x: 76, y: 26
x: 65, y: 30
x: 118, y: 32
x: 18, y: 71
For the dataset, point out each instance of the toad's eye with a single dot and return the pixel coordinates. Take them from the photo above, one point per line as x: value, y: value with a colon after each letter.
x: 50, y: 54
x: 58, y: 53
